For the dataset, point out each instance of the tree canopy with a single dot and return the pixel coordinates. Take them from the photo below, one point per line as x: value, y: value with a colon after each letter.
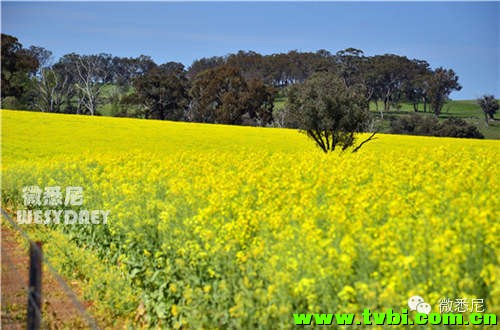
x: 330, y: 112
x: 238, y: 88
x: 489, y: 105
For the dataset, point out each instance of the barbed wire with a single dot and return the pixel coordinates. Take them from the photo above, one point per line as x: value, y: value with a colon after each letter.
x: 69, y: 292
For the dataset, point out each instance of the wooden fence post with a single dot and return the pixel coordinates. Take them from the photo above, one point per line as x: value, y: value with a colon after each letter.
x: 35, y: 287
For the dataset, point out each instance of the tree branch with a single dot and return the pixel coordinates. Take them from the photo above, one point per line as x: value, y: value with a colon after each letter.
x: 361, y: 144
x: 318, y: 140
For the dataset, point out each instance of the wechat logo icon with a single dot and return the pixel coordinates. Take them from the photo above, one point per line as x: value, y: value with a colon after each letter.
x: 417, y: 303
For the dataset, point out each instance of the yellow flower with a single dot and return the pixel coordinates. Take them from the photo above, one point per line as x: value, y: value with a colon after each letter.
x: 174, y: 310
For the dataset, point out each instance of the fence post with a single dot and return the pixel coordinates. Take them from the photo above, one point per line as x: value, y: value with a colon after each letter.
x: 35, y: 287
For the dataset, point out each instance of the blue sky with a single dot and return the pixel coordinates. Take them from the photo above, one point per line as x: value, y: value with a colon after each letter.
x: 463, y: 36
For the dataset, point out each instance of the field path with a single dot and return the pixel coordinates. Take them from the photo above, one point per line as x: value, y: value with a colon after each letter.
x: 14, y: 282
x: 57, y: 308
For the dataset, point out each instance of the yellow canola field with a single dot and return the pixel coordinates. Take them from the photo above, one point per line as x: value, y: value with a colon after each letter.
x: 219, y: 226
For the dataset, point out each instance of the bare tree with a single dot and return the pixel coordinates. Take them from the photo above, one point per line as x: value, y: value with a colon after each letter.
x: 51, y: 91
x: 89, y: 82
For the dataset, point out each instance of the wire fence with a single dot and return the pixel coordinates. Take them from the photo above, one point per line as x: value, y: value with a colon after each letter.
x: 60, y: 306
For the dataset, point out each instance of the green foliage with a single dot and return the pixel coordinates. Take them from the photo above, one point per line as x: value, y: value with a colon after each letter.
x: 222, y: 95
x: 441, y: 84
x: 260, y: 103
x: 18, y: 66
x: 328, y: 111
x: 11, y: 102
x: 456, y: 127
x: 415, y: 124
x: 216, y: 95
x: 489, y: 105
x: 164, y: 92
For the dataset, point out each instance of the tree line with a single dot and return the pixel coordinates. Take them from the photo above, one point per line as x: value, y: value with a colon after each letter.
x: 238, y: 88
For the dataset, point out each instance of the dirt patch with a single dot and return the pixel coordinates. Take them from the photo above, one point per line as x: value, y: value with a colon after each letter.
x: 58, y: 310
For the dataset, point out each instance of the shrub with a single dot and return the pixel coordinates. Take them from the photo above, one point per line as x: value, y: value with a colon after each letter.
x: 456, y: 127
x: 415, y: 124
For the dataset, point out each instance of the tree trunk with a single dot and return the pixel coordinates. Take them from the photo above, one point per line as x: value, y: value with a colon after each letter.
x: 387, y: 101
x: 436, y: 110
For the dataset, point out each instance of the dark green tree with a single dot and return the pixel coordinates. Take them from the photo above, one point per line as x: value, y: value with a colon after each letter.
x: 221, y: 95
x: 203, y: 64
x: 19, y: 65
x: 459, y: 128
x: 415, y: 85
x: 125, y: 69
x: 330, y: 112
x: 415, y: 124
x: 489, y: 105
x: 259, y: 100
x: 388, y: 75
x: 43, y: 56
x: 441, y: 83
x: 349, y: 65
x: 163, y: 90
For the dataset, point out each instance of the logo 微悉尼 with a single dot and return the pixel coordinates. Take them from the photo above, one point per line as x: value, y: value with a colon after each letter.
x: 45, y: 206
